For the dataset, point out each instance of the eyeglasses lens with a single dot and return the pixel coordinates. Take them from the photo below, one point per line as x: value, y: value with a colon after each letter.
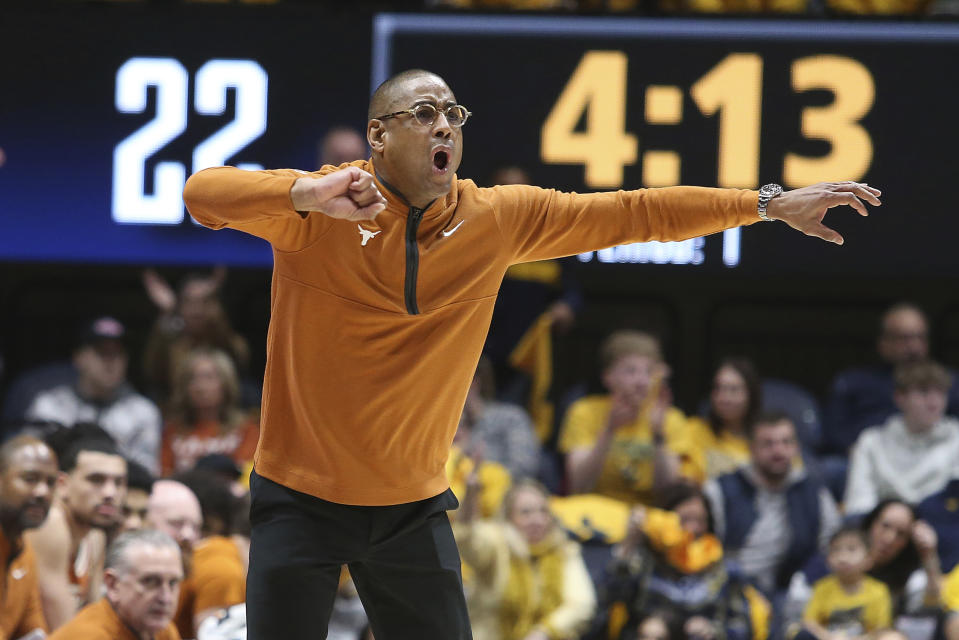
x: 425, y: 114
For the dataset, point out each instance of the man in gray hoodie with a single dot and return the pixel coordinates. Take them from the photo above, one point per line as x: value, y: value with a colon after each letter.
x: 915, y: 453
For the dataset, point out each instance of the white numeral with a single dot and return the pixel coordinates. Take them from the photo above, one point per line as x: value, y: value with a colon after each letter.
x: 130, y: 202
x: 212, y: 81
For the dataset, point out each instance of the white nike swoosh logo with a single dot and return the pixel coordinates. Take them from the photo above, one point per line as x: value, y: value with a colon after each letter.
x: 447, y: 234
x: 18, y: 573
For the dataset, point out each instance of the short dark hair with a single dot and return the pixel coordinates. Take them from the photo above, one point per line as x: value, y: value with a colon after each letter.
x: 213, y: 493
x: 139, y: 477
x: 69, y: 442
x: 678, y: 493
x: 766, y: 418
x: 100, y: 445
x: 850, y: 529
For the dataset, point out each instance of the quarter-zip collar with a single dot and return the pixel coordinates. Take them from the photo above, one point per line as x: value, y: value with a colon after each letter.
x: 397, y: 203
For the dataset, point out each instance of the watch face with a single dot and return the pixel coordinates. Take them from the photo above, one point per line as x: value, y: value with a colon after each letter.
x: 770, y: 190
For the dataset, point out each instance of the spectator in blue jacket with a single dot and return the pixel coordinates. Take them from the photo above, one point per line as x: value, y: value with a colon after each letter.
x: 771, y: 515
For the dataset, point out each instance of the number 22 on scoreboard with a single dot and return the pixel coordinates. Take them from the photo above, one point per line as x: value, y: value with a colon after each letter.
x: 165, y: 206
x: 733, y: 88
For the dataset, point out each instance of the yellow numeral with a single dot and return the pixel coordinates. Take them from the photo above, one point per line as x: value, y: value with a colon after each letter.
x: 598, y: 86
x: 838, y: 123
x: 734, y: 88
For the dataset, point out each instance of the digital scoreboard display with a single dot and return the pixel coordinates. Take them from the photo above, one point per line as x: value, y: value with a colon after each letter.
x: 107, y: 110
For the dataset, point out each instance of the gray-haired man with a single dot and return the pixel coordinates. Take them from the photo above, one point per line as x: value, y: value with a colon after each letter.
x: 142, y: 575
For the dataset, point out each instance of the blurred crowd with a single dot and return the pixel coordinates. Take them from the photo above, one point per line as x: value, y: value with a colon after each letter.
x: 124, y: 512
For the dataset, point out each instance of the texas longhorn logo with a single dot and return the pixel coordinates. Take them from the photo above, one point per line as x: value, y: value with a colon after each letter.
x: 367, y: 234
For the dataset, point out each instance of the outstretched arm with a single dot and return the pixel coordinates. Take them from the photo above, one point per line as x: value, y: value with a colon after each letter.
x: 538, y: 224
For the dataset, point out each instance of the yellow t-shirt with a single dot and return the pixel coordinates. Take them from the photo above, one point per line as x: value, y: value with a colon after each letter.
x: 950, y: 590
x: 627, y: 472
x: 721, y: 453
x: 869, y: 609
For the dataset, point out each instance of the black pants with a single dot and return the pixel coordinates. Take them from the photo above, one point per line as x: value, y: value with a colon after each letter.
x: 402, y: 558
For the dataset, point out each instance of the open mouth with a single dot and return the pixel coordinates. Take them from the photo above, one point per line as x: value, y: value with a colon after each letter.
x: 441, y: 159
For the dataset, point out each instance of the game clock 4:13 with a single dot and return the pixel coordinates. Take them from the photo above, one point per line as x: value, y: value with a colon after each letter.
x: 732, y: 91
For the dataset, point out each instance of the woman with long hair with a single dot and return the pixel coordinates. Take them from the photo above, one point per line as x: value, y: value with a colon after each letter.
x: 205, y: 416
x: 734, y: 402
x: 904, y: 556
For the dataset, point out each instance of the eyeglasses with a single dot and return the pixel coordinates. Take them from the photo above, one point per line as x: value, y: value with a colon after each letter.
x: 425, y: 114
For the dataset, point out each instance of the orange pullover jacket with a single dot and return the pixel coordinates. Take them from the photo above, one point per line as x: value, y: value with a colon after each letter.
x: 377, y: 327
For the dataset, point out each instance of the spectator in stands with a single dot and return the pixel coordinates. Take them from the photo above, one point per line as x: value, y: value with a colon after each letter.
x: 503, y: 429
x: 228, y: 472
x: 190, y: 319
x: 175, y: 510
x: 205, y: 415
x: 670, y: 560
x: 631, y: 441
x: 28, y: 473
x: 103, y: 396
x: 133, y: 512
x: 217, y: 577
x: 903, y: 554
x: 70, y: 544
x: 341, y: 145
x: 529, y: 580
x: 142, y: 575
x: 916, y: 452
x: 941, y: 512
x: 863, y: 397
x: 734, y: 403
x: 772, y: 516
x: 847, y: 603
